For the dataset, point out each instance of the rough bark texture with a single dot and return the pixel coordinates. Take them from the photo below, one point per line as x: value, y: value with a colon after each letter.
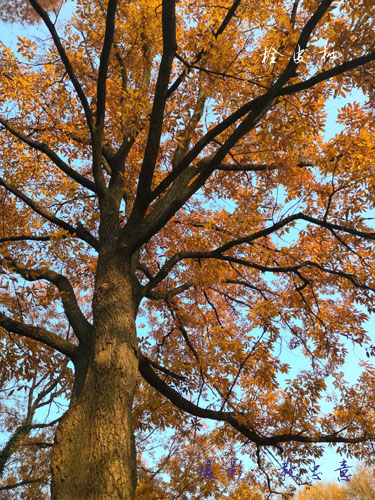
x: 94, y: 454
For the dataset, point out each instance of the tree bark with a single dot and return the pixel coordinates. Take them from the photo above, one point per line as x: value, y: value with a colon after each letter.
x: 94, y: 454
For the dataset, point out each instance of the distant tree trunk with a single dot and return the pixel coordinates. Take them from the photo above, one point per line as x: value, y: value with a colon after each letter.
x: 94, y: 455
x: 13, y: 443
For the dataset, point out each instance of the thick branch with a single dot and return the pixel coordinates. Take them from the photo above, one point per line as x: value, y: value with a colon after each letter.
x: 170, y: 263
x: 329, y: 73
x: 43, y: 148
x: 98, y: 135
x: 258, y: 111
x: 256, y: 108
x: 252, y: 167
x: 37, y: 333
x: 104, y: 62
x: 79, y: 231
x: 187, y: 406
x: 39, y: 444
x: 302, y: 42
x: 157, y: 113
x: 146, y: 360
x: 65, y: 59
x: 337, y: 227
x: 77, y: 320
x: 201, y: 144
x: 146, y: 271
x: 231, y: 12
x: 13, y: 443
x: 293, y: 269
x: 24, y: 237
x: 249, y: 106
x: 182, y: 176
x: 48, y: 424
x: 150, y: 376
x: 218, y: 252
x: 246, y: 168
x: 156, y: 295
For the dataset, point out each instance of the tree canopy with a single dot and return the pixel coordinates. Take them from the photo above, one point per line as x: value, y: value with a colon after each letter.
x: 360, y: 487
x: 173, y: 225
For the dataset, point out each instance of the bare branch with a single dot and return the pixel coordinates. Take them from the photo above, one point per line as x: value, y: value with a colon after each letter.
x: 174, y: 311
x: 218, y: 73
x: 13, y: 443
x: 242, y: 364
x: 170, y: 263
x: 218, y: 252
x: 48, y: 424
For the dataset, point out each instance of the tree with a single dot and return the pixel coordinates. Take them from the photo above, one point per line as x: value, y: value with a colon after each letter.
x: 26, y: 452
x: 326, y: 491
x: 360, y: 487
x: 164, y: 163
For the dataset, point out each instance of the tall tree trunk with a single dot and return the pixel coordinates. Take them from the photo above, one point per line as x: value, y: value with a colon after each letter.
x: 94, y: 454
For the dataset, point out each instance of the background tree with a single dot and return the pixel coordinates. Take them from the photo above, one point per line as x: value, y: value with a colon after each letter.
x: 12, y: 11
x: 25, y: 454
x: 164, y: 164
x: 360, y: 487
x: 326, y: 491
